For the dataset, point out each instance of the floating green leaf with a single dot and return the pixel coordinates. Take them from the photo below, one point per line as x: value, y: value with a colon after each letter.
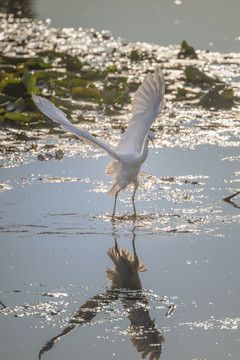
x: 79, y: 91
x: 181, y: 93
x: 135, y: 56
x: 218, y: 97
x: 29, y: 81
x: 52, y: 54
x: 19, y: 105
x: 112, y: 68
x: 46, y: 75
x: 15, y: 88
x: 109, y: 96
x: 187, y: 51
x: 196, y: 76
x: 73, y: 63
x: 93, y: 75
x: 5, y: 99
x: 36, y: 64
x: 18, y: 117
x: 60, y: 91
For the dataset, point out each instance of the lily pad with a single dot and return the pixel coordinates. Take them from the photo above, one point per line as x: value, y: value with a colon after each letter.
x: 187, y: 51
x: 198, y: 77
x: 37, y: 64
x: 15, y: 59
x: 29, y: 81
x: 19, y: 105
x: 52, y: 54
x: 181, y: 93
x: 18, y: 117
x: 60, y: 92
x: 5, y: 99
x: 109, y: 96
x: 112, y: 68
x: 46, y: 75
x: 70, y: 82
x: 6, y: 75
x: 73, y: 63
x: 80, y: 91
x: 15, y: 88
x: 219, y: 98
x: 135, y: 56
x: 93, y: 75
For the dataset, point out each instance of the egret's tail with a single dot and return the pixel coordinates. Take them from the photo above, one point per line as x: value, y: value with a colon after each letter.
x: 113, y: 277
x: 120, y: 256
x: 112, y: 274
x: 114, y: 190
x: 113, y: 168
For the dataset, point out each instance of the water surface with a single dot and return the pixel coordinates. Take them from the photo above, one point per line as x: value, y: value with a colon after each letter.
x: 56, y: 223
x: 207, y: 24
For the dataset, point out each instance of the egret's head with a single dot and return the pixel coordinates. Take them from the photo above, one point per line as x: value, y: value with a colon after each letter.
x: 151, y: 136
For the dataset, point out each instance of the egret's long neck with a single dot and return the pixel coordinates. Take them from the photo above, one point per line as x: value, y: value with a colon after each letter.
x: 145, y: 149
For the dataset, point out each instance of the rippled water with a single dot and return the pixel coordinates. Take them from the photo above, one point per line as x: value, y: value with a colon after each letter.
x: 56, y: 228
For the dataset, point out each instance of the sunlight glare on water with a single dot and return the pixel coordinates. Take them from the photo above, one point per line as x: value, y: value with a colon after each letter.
x: 57, y: 292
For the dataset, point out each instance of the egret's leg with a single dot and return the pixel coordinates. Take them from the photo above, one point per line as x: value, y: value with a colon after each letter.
x: 135, y: 184
x: 134, y: 251
x: 114, y: 208
x: 116, y: 246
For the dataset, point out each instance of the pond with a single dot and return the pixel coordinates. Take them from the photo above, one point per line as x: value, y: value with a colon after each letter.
x: 60, y: 296
x: 208, y: 24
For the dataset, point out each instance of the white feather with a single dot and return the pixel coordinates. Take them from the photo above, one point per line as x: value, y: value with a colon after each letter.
x: 132, y: 149
x: 54, y: 113
x: 147, y: 102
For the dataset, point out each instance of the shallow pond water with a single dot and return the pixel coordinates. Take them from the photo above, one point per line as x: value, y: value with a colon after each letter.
x: 212, y: 25
x: 56, y: 227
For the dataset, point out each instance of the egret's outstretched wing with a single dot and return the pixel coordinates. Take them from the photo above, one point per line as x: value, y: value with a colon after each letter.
x: 54, y: 113
x: 147, y: 102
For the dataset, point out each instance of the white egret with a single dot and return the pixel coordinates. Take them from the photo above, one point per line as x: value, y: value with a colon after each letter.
x: 132, y: 149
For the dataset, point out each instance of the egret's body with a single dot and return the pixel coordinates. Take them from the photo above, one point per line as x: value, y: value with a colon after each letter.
x: 132, y: 150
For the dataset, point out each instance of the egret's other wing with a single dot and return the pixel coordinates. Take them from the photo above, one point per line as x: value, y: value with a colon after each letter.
x: 147, y: 102
x: 150, y: 93
x: 54, y: 113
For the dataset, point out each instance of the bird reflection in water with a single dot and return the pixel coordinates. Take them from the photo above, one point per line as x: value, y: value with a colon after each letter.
x: 126, y: 286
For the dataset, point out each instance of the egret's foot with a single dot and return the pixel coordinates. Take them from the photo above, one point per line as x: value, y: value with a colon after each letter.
x: 114, y: 215
x: 134, y: 217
